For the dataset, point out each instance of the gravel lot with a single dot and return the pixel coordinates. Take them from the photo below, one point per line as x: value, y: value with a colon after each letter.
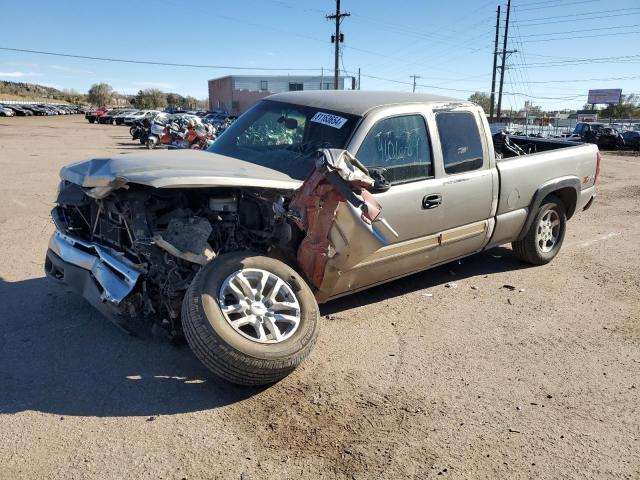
x: 474, y: 382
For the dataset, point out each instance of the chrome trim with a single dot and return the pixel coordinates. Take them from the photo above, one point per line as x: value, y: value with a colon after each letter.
x: 112, y: 274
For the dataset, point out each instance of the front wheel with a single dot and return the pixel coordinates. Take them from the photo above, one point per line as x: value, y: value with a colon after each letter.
x: 250, y: 319
x: 545, y: 236
x: 151, y: 143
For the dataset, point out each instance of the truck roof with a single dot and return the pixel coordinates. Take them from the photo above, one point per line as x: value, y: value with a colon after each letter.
x: 357, y: 102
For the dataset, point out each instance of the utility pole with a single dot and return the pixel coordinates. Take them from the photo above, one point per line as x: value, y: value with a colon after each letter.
x: 337, y: 40
x: 504, y: 58
x: 358, y: 78
x: 414, y: 80
x: 495, y: 65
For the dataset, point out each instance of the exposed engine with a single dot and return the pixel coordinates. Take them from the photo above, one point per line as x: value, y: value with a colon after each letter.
x: 169, y: 234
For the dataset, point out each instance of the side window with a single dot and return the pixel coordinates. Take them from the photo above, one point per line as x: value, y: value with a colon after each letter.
x: 401, y: 146
x: 460, y: 140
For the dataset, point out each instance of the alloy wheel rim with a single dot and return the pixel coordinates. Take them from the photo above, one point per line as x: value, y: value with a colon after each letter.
x: 259, y: 305
x: 548, y: 231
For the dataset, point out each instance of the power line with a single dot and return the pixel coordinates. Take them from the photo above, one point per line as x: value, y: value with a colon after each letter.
x: 149, y: 62
x: 539, y: 3
x: 579, y: 31
x: 632, y: 77
x: 532, y: 22
x: 555, y: 5
x: 582, y: 37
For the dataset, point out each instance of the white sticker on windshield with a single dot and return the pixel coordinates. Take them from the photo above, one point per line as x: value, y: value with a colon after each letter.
x: 327, y: 119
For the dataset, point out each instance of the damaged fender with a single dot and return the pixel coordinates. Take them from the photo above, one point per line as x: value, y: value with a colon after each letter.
x: 340, y: 216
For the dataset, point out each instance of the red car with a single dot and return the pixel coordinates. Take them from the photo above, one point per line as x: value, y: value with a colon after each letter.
x: 91, y: 115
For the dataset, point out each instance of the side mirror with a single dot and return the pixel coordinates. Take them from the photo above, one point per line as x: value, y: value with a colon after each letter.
x: 381, y: 184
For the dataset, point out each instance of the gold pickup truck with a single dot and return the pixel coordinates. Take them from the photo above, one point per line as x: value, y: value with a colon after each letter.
x: 308, y: 196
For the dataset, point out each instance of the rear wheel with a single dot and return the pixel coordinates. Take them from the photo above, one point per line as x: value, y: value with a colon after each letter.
x: 250, y: 319
x: 545, y: 236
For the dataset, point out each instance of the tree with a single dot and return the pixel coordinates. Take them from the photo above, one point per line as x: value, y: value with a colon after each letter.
x: 629, y: 107
x: 175, y: 100
x: 100, y: 94
x: 151, y: 98
x: 482, y: 99
x: 532, y: 109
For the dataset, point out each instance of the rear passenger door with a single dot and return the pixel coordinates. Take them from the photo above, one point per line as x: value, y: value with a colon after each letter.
x: 468, y: 183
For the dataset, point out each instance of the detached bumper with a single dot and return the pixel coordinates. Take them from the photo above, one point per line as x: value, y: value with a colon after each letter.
x: 88, y: 269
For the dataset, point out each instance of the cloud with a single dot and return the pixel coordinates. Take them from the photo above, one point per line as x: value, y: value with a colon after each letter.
x: 154, y: 84
x: 20, y: 74
x: 64, y: 68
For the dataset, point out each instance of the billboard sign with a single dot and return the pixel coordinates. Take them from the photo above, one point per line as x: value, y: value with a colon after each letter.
x: 608, y: 97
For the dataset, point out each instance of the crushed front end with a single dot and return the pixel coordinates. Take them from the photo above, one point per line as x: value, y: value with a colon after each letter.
x: 133, y: 252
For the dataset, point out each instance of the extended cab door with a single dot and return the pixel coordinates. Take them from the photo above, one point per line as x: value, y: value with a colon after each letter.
x: 397, y: 139
x: 469, y: 183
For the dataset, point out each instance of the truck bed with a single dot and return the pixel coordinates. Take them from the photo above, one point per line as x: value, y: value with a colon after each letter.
x: 521, y: 176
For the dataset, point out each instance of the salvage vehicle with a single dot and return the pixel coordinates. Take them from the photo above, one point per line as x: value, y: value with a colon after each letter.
x: 120, y: 116
x: 6, y: 112
x: 93, y: 115
x: 603, y: 135
x: 20, y: 111
x: 139, y: 115
x: 632, y: 139
x: 307, y: 197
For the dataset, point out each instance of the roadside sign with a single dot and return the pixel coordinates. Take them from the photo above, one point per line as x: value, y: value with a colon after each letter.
x: 605, y: 96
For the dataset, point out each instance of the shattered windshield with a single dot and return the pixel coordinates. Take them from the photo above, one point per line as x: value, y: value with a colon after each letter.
x: 284, y: 136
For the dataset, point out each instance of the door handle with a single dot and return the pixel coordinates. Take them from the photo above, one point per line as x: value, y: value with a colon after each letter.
x: 431, y: 201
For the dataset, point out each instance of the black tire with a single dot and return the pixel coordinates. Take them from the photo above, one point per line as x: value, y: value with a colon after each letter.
x: 529, y: 248
x: 223, y: 350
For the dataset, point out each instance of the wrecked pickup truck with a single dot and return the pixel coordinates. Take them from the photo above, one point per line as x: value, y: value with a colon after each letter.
x: 307, y: 197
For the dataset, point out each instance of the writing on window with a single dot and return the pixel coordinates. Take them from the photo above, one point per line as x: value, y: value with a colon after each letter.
x: 399, y: 145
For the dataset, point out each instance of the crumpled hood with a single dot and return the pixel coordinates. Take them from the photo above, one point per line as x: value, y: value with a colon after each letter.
x: 174, y: 168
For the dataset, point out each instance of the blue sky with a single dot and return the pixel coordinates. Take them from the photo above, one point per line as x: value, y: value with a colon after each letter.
x: 564, y: 47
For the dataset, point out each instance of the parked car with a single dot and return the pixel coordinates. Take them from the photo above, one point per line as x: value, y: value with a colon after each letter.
x: 632, y: 139
x: 309, y: 196
x: 107, y: 117
x: 120, y: 116
x: 604, y: 136
x: 20, y: 111
x: 139, y: 115
x: 215, y: 118
x: 6, y: 112
x: 92, y: 115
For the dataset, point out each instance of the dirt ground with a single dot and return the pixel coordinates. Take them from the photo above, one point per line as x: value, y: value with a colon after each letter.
x: 466, y: 383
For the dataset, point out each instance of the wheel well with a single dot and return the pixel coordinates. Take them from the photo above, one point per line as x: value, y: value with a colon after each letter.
x: 569, y: 198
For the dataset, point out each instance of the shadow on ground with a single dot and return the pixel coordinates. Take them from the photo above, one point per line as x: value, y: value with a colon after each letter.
x: 58, y: 355
x: 496, y: 260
